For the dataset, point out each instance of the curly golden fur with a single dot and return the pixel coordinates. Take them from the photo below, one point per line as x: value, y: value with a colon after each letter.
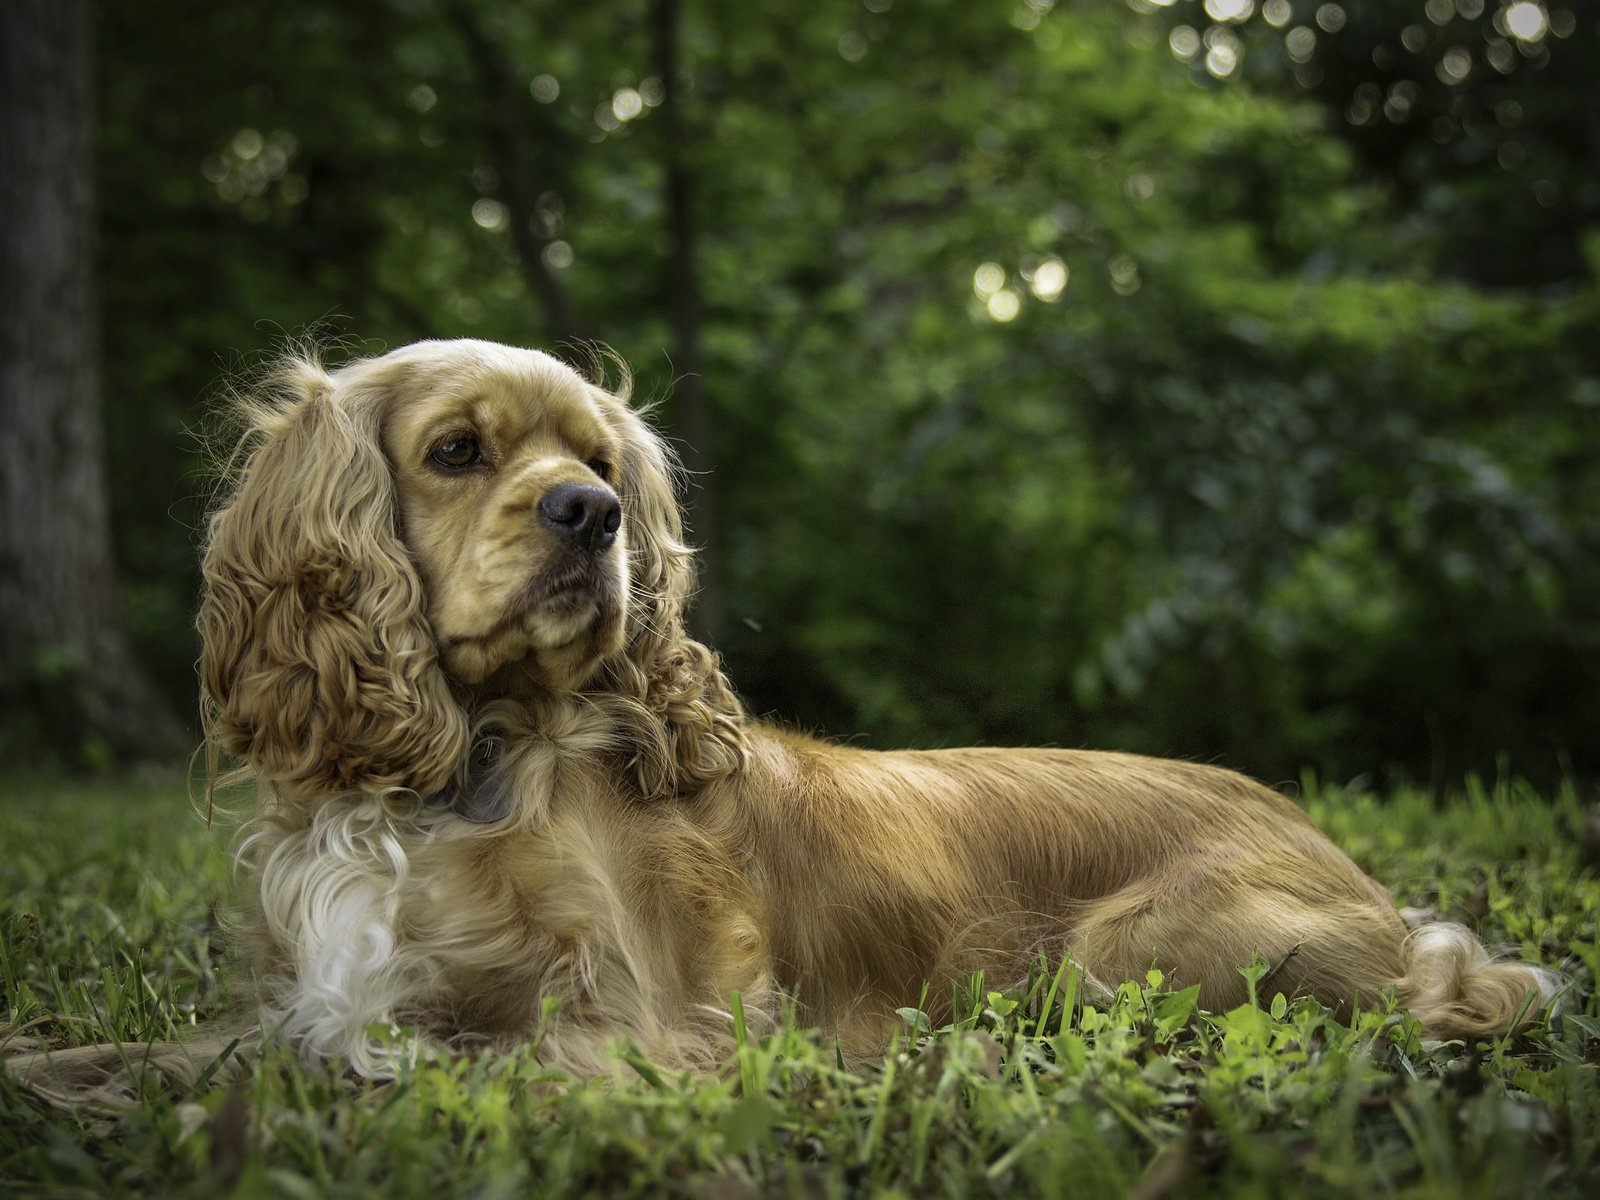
x: 493, y: 768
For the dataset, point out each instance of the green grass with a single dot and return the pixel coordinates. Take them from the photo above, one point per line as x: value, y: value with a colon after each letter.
x: 110, y: 927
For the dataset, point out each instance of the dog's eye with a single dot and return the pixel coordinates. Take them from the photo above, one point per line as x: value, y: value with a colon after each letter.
x: 457, y: 451
x: 601, y: 468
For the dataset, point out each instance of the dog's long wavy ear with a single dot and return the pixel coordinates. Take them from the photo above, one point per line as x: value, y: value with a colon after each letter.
x: 686, y: 724
x: 317, y: 664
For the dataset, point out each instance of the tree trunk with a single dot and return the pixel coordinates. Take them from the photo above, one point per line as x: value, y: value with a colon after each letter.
x: 67, y: 672
x: 694, y: 426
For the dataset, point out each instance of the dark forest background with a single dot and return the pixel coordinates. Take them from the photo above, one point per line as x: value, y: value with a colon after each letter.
x: 1215, y: 380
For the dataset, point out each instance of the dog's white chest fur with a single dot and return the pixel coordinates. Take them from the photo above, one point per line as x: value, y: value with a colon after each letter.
x: 331, y: 904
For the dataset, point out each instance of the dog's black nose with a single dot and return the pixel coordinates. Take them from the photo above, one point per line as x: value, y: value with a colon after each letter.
x: 587, y: 514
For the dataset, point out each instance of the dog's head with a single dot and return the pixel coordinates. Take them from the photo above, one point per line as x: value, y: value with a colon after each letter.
x: 446, y: 525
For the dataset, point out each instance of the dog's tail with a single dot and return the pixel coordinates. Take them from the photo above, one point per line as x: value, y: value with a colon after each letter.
x: 1457, y: 989
x: 117, y: 1075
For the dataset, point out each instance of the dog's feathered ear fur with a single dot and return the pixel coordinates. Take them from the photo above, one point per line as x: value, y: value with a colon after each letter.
x: 317, y: 663
x: 684, y: 723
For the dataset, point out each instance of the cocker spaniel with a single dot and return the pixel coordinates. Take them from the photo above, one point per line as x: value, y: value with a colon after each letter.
x: 443, y: 626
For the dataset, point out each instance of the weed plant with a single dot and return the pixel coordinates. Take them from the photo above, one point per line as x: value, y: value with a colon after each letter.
x: 113, y: 903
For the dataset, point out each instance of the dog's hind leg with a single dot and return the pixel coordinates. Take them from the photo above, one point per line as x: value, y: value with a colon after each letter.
x: 1341, y: 952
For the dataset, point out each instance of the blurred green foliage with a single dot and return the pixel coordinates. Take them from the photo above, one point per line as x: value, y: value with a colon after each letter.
x: 1214, y: 380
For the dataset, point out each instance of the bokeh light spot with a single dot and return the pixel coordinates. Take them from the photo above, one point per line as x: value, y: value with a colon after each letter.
x: 1403, y: 97
x: 1004, y: 305
x: 1124, y: 274
x: 1455, y: 66
x: 1049, y: 280
x: 1222, y: 60
x: 1527, y: 21
x: 1501, y: 56
x: 627, y: 103
x: 1230, y: 10
x: 490, y: 214
x: 988, y: 279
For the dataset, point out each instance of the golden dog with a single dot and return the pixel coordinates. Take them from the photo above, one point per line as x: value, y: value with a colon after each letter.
x: 443, y: 627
